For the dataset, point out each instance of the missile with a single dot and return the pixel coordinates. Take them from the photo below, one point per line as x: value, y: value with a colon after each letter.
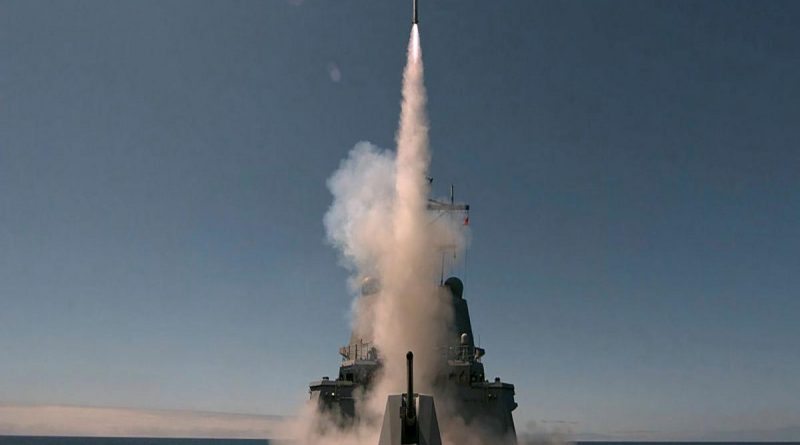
x: 415, y: 18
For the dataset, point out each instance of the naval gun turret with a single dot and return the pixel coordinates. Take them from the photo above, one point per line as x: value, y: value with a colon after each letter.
x: 410, y: 418
x: 481, y: 404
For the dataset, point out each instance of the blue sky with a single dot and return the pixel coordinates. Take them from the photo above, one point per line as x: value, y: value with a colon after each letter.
x: 632, y: 167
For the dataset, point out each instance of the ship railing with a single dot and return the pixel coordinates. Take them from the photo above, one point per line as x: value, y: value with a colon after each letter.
x: 464, y: 353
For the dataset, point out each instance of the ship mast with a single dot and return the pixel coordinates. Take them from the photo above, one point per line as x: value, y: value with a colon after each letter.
x: 448, y: 208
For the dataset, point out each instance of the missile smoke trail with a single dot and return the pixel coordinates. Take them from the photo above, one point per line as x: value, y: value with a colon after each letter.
x: 379, y: 222
x: 408, y: 314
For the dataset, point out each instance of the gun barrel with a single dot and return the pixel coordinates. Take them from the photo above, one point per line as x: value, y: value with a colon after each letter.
x: 411, y: 409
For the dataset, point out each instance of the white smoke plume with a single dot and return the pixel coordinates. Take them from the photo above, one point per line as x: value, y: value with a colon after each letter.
x: 408, y: 314
x: 380, y: 224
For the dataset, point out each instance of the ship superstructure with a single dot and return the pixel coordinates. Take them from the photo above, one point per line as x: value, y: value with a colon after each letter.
x: 481, y: 403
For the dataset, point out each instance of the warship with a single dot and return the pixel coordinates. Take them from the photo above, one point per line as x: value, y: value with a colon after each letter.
x: 481, y: 404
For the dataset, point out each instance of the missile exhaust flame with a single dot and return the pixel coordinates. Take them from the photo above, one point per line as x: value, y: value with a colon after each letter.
x: 414, y: 47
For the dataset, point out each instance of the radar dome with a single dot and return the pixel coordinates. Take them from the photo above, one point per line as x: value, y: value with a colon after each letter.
x: 369, y: 286
x: 456, y: 286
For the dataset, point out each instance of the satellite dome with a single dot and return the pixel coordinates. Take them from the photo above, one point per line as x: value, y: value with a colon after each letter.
x: 456, y: 286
